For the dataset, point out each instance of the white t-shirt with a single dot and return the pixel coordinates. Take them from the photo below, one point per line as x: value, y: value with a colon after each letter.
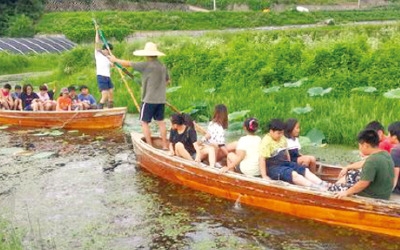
x: 103, y: 65
x: 293, y: 143
x: 217, y: 133
x: 250, y: 144
x: 44, y: 97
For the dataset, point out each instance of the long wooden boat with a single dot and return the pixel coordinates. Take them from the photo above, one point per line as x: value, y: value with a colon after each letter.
x: 82, y: 119
x: 372, y: 215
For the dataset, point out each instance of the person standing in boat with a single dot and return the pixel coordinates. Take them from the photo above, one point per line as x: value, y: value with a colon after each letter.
x: 275, y: 160
x: 292, y: 132
x: 155, y: 79
x: 245, y: 159
x: 377, y: 175
x: 103, y: 72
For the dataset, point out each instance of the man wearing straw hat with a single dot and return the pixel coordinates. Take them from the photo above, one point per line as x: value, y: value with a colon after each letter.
x: 154, y: 84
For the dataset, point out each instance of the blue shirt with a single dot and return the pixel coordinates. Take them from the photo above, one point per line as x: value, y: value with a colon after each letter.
x: 87, y: 98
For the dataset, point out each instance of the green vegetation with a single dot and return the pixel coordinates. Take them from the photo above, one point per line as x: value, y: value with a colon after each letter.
x: 9, y: 238
x: 333, y: 79
x: 78, y: 26
x: 17, y: 16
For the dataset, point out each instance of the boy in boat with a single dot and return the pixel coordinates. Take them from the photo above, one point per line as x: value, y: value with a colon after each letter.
x: 377, y: 175
x: 394, y: 135
x: 16, y: 96
x: 76, y: 104
x: 275, y: 160
x: 64, y: 102
x: 155, y: 79
x: 87, y: 100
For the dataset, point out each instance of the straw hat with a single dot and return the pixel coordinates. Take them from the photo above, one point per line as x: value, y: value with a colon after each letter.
x: 150, y: 49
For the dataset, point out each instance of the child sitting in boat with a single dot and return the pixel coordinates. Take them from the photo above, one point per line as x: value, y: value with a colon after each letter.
x: 6, y: 101
x: 64, y: 102
x: 29, y: 99
x: 394, y: 135
x: 183, y: 140
x: 76, y: 104
x: 245, y: 159
x: 377, y: 175
x: 46, y: 103
x: 87, y: 100
x: 16, y: 96
x: 216, y: 134
x: 292, y: 133
x: 275, y: 160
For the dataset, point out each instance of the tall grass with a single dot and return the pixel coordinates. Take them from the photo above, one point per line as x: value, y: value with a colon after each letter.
x: 78, y: 26
x: 237, y: 69
x: 11, y: 64
x: 9, y: 237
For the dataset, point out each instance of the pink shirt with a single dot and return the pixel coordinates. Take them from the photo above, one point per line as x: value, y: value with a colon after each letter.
x: 385, y: 144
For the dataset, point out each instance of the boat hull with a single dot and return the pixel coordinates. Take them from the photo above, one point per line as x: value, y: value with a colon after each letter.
x: 85, y: 119
x: 361, y: 213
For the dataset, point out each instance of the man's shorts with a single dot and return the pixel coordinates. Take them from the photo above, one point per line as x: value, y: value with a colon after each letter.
x: 284, y: 171
x: 150, y: 111
x: 104, y: 82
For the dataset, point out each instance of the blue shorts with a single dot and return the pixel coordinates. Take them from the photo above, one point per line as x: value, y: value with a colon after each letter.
x: 284, y: 171
x: 104, y: 82
x: 28, y: 108
x: 150, y: 111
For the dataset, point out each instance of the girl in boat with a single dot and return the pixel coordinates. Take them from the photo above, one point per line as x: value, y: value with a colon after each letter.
x: 46, y: 103
x: 183, y: 140
x: 292, y: 133
x: 245, y: 159
x: 216, y: 133
x: 29, y: 99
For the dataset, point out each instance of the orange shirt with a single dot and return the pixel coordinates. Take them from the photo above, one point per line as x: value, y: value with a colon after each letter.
x: 64, y: 102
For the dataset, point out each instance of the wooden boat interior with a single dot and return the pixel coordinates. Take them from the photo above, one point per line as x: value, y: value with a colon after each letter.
x: 325, y: 171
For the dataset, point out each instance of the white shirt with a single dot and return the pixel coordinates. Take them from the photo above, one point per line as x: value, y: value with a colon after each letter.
x: 103, y: 65
x: 250, y: 144
x: 293, y: 143
x: 217, y: 133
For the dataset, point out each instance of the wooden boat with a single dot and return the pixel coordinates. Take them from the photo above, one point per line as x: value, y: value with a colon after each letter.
x: 83, y: 119
x: 372, y: 215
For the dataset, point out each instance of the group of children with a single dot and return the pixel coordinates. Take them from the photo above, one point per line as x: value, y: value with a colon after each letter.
x: 25, y: 99
x: 277, y: 156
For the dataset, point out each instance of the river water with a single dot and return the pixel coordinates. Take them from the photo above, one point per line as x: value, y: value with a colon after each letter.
x: 82, y: 190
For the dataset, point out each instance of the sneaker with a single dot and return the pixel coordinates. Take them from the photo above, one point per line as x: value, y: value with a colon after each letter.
x: 100, y: 106
x: 110, y: 105
x: 218, y: 165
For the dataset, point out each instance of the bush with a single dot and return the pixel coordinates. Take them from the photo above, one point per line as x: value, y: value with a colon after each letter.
x: 21, y: 26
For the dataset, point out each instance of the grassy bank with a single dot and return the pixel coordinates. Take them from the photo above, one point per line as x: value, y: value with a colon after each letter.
x: 78, y: 26
x: 9, y: 238
x: 333, y: 79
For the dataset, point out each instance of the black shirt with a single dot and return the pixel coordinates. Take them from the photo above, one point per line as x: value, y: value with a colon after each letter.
x: 187, y: 138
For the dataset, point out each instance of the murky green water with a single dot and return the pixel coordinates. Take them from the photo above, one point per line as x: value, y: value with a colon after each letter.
x: 89, y: 194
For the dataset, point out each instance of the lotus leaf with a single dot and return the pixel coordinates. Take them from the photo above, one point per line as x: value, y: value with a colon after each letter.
x: 294, y: 84
x: 394, y: 93
x: 235, y: 126
x: 4, y: 127
x: 300, y: 110
x: 43, y: 155
x: 10, y: 151
x: 56, y: 133
x: 305, y: 141
x: 212, y: 90
x: 239, y: 115
x: 173, y: 89
x: 365, y: 89
x: 42, y: 133
x: 318, y: 91
x: 271, y: 90
x: 316, y: 136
